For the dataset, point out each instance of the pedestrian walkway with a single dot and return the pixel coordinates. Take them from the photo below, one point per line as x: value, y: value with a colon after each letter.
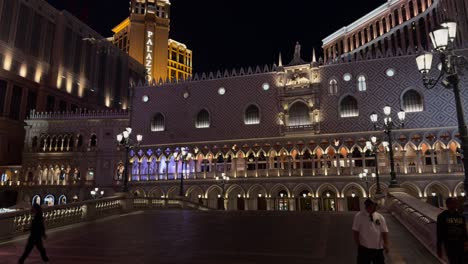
x: 177, y: 236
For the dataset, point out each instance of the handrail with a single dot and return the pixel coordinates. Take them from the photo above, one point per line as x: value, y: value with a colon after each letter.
x: 14, y: 223
x: 418, y: 217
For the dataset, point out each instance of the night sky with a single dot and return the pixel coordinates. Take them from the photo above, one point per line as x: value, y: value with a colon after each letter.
x: 226, y: 34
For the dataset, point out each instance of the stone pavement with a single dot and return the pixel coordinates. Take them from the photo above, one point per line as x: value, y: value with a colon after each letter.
x: 246, y: 237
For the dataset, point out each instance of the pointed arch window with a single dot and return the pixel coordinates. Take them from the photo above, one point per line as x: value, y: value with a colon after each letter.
x: 412, y: 101
x: 203, y: 119
x: 349, y: 107
x: 362, y: 83
x: 299, y: 115
x: 158, y: 123
x: 252, y: 115
x: 333, y: 87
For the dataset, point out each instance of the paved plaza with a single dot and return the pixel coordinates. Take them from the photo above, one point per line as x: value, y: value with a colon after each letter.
x: 176, y: 236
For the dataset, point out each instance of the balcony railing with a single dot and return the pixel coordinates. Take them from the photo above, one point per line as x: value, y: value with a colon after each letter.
x: 316, y: 172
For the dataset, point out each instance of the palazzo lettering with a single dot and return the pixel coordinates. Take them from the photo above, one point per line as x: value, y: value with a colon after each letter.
x: 149, y: 55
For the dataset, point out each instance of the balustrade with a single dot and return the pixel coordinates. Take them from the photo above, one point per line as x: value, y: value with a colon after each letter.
x: 418, y: 217
x: 15, y: 223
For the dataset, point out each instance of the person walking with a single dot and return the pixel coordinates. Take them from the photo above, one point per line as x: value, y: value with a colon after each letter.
x: 370, y: 234
x: 37, y: 233
x: 451, y: 232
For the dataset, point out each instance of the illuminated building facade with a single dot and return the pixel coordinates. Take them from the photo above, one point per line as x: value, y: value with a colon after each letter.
x: 145, y: 37
x: 290, y: 136
x: 51, y: 61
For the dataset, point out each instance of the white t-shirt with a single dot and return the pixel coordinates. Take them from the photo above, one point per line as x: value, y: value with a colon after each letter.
x: 370, y: 233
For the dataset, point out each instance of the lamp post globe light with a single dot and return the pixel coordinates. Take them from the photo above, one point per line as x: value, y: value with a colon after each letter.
x: 372, y: 146
x: 223, y: 179
x: 367, y: 178
x: 124, y: 140
x: 184, y: 155
x: 452, y: 64
x: 95, y: 192
x: 387, y: 126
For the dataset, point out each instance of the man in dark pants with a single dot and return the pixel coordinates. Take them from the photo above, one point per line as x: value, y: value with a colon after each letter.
x: 371, y: 235
x: 451, y: 232
x: 37, y: 233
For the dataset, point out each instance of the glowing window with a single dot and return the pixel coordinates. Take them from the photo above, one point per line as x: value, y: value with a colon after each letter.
x: 252, y: 115
x: 390, y: 72
x: 412, y: 101
x: 203, y: 119
x: 362, y: 83
x: 266, y: 86
x: 349, y: 107
x: 347, y: 77
x: 221, y: 91
x: 158, y: 123
x: 333, y: 87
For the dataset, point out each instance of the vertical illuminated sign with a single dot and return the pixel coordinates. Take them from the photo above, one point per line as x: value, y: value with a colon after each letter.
x: 149, y: 55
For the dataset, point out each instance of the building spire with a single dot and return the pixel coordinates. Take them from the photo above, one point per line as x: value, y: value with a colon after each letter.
x: 313, y: 55
x: 280, y: 62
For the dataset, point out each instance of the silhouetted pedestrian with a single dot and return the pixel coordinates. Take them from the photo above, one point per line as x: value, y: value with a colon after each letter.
x: 451, y: 232
x: 370, y: 234
x: 37, y: 233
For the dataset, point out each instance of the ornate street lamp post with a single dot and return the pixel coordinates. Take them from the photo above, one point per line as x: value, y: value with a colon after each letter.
x: 223, y: 180
x: 184, y: 155
x: 367, y: 178
x: 372, y: 146
x: 124, y: 140
x: 387, y: 126
x: 451, y: 65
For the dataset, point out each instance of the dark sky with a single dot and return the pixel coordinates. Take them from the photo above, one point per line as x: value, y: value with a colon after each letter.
x: 226, y: 34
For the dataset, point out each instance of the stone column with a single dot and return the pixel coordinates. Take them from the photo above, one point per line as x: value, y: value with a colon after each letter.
x: 167, y: 170
x: 156, y: 169
x: 418, y: 161
x: 338, y: 165
x: 234, y: 166
x: 448, y: 159
x: 433, y: 161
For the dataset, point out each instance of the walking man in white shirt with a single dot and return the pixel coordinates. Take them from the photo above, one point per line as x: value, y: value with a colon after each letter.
x: 371, y: 235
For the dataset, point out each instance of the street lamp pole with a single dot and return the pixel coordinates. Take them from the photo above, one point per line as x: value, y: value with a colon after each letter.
x: 124, y: 140
x: 223, y: 180
x: 450, y: 65
x: 371, y: 145
x: 388, y: 126
x: 184, y: 155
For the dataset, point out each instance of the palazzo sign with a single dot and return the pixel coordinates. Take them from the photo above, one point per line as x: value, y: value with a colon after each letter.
x: 149, y: 55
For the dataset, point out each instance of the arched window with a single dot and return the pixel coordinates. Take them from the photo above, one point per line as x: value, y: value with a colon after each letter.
x: 203, y: 119
x: 349, y: 107
x: 333, y: 87
x: 412, y: 101
x: 362, y: 84
x: 158, y: 123
x: 252, y: 115
x: 299, y: 115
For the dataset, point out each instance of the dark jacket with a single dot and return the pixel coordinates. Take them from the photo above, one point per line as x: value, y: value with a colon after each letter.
x: 451, y: 229
x: 37, y: 227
